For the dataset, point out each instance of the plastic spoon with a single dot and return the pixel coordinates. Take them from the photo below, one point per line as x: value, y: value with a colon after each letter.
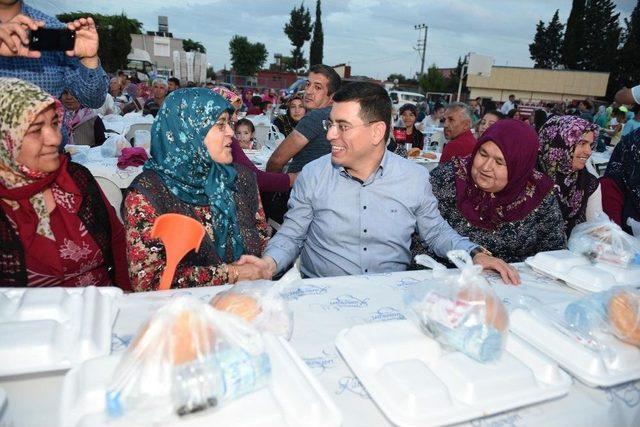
x: 180, y: 234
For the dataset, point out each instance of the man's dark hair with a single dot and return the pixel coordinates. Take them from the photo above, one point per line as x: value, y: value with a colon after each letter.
x: 437, y: 107
x: 174, y: 80
x: 334, y: 79
x: 408, y: 107
x: 375, y: 104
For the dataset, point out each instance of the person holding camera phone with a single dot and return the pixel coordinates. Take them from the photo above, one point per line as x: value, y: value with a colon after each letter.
x: 54, y: 69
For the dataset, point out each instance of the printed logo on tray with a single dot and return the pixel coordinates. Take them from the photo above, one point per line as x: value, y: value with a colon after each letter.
x: 405, y: 283
x: 348, y: 301
x: 303, y: 291
x: 321, y: 363
x: 120, y: 342
x: 352, y: 385
x: 503, y: 420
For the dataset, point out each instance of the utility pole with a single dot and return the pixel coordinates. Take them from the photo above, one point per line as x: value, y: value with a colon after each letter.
x: 422, y: 45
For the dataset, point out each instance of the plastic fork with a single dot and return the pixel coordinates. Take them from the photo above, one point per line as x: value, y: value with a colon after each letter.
x: 180, y: 234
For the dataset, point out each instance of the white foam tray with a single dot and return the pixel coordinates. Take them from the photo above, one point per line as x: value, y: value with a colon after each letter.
x: 416, y: 383
x: 293, y: 398
x: 50, y: 329
x: 585, y: 364
x: 578, y: 272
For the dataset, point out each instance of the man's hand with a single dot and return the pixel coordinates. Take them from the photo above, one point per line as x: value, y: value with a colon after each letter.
x: 292, y: 178
x: 508, y: 273
x: 86, y: 45
x: 14, y: 40
x: 265, y: 267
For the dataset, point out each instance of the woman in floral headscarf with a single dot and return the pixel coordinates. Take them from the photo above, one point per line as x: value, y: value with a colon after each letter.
x: 56, y: 226
x: 566, y: 143
x: 191, y: 173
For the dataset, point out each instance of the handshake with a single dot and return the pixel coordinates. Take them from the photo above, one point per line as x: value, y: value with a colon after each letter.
x: 249, y: 267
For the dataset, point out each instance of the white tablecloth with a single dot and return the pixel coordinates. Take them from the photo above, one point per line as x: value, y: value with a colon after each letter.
x: 323, y: 307
x: 107, y: 167
x: 430, y: 164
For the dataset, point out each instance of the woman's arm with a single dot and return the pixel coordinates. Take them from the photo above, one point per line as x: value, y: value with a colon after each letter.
x: 612, y: 199
x: 550, y: 225
x: 147, y: 257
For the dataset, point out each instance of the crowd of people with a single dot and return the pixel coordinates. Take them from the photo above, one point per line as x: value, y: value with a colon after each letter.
x: 505, y: 189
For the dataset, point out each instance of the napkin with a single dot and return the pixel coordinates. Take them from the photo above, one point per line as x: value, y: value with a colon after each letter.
x: 135, y: 156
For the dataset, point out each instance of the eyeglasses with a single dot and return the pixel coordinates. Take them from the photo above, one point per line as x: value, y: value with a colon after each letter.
x: 343, y: 127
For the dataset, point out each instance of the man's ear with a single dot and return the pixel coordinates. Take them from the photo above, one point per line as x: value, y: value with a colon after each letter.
x: 379, y: 128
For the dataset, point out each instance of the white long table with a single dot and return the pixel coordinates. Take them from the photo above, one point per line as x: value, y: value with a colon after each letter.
x: 323, y: 307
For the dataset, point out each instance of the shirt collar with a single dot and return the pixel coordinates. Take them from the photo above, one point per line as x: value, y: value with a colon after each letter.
x: 378, y: 173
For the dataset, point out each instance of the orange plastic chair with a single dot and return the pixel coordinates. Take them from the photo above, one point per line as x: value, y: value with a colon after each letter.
x: 179, y: 234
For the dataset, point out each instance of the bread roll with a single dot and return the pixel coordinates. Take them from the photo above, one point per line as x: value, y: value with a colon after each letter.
x: 241, y: 305
x: 624, y: 317
x: 414, y: 152
x: 495, y: 313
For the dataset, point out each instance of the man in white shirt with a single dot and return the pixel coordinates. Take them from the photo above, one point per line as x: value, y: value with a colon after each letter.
x: 508, y: 105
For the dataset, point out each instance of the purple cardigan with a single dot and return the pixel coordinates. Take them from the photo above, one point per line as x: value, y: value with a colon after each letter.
x: 267, y: 181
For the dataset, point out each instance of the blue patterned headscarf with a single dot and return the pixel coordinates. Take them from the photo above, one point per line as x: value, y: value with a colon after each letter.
x: 180, y: 158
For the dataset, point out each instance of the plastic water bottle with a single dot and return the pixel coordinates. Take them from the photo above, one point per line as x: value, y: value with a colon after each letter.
x: 480, y: 342
x: 589, y: 313
x: 222, y: 376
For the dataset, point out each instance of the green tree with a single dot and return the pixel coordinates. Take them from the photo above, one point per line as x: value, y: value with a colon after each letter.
x: 211, y: 74
x: 572, y: 51
x: 114, y: 32
x: 189, y: 45
x: 547, y: 43
x: 298, y: 29
x: 246, y: 58
x: 433, y: 80
x: 602, y: 41
x: 317, y: 43
x: 396, y: 76
x: 629, y: 63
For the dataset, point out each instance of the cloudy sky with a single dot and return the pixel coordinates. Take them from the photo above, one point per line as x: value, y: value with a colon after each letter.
x: 375, y: 37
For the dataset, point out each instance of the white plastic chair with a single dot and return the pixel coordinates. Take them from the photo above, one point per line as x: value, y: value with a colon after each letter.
x: 134, y: 127
x: 112, y: 192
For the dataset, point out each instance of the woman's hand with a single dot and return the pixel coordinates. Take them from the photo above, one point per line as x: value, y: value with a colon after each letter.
x: 253, y: 268
x: 14, y: 40
x: 86, y: 45
x: 508, y: 273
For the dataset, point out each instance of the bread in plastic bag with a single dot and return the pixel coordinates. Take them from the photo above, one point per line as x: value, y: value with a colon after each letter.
x: 462, y: 312
x: 186, y: 359
x: 602, y: 240
x: 259, y: 303
x: 616, y: 311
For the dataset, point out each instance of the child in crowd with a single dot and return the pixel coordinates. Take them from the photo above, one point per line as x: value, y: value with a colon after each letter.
x: 244, y: 134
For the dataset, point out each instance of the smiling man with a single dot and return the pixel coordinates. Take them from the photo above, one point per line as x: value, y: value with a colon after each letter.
x: 457, y: 129
x: 353, y: 211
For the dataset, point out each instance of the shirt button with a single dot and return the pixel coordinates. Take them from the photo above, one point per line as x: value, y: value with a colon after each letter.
x: 364, y: 207
x: 365, y: 230
x: 365, y: 249
x: 366, y: 270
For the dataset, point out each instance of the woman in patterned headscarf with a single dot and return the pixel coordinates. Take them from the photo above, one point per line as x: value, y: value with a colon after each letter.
x: 566, y: 143
x: 56, y: 227
x: 191, y: 173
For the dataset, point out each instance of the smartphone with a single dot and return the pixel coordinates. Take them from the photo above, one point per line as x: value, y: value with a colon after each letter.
x: 48, y: 39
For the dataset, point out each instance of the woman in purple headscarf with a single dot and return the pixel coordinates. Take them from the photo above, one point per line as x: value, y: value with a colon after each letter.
x: 497, y: 198
x: 566, y: 143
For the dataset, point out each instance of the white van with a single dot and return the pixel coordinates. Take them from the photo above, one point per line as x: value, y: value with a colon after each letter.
x: 399, y: 98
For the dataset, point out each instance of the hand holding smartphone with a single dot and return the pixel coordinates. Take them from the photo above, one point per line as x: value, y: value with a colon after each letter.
x: 52, y: 39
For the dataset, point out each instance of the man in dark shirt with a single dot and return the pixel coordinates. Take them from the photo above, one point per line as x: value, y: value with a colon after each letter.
x: 309, y: 140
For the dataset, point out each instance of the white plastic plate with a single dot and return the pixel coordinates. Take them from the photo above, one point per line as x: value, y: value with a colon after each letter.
x: 50, y: 329
x: 293, y: 398
x: 598, y: 369
x: 576, y: 271
x: 417, y: 383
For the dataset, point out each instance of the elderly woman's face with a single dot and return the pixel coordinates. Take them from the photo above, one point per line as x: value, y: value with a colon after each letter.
x: 582, y: 152
x: 159, y: 90
x: 69, y: 101
x: 297, y: 110
x: 489, y: 168
x: 218, y: 140
x: 114, y: 88
x: 39, y: 151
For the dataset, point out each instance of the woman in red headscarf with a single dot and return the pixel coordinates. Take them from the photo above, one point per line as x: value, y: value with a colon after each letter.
x: 497, y: 198
x: 56, y: 226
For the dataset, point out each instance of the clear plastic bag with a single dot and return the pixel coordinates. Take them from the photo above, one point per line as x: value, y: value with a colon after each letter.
x: 616, y: 311
x: 260, y: 304
x: 462, y: 312
x: 187, y: 358
x: 602, y: 240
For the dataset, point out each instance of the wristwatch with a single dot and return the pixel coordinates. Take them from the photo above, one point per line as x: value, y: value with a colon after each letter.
x: 479, y: 250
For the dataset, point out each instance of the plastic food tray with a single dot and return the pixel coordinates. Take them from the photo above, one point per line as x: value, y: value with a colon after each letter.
x: 416, y: 383
x: 293, y: 398
x: 50, y: 329
x: 578, y: 272
x: 620, y: 365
